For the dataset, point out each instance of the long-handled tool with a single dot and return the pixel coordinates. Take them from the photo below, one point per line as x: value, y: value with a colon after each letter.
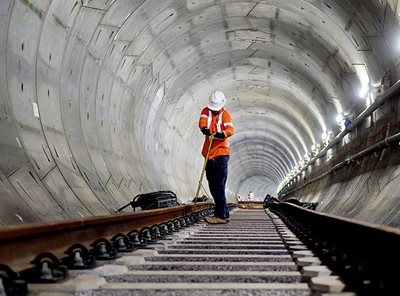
x: 204, y: 168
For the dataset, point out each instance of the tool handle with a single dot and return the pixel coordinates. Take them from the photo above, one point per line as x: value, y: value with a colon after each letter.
x: 204, y: 167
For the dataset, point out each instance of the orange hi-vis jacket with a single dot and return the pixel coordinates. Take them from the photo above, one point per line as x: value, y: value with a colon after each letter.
x: 220, y: 122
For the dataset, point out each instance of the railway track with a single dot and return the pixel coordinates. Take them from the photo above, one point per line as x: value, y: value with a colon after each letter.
x: 248, y: 256
x: 286, y: 250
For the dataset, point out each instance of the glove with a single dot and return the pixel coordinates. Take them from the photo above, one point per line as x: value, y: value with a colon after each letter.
x: 206, y: 131
x: 220, y: 135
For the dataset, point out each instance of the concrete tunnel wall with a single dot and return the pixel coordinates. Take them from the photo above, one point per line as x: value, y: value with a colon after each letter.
x: 100, y: 99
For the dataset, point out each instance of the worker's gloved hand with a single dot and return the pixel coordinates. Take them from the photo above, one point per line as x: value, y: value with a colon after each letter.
x: 220, y: 135
x: 206, y: 131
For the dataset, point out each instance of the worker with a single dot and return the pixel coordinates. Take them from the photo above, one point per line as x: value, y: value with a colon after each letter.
x: 250, y: 196
x: 216, y: 120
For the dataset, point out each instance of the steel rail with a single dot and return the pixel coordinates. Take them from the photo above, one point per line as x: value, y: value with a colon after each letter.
x: 365, y: 255
x: 19, y: 243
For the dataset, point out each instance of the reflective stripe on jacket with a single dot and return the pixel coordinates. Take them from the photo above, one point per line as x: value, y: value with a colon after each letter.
x: 220, y: 122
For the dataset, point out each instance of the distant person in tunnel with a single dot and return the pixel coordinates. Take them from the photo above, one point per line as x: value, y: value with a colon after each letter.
x: 250, y: 196
x: 216, y: 120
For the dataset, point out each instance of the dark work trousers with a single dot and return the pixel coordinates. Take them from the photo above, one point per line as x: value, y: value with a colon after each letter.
x: 217, y: 172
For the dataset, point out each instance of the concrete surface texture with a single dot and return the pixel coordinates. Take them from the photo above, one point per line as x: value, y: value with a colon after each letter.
x: 366, y: 191
x: 99, y: 100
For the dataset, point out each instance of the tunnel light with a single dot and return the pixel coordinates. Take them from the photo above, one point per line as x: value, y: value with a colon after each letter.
x: 339, y: 118
x: 326, y: 135
x: 364, y: 91
x: 363, y: 77
x: 376, y: 84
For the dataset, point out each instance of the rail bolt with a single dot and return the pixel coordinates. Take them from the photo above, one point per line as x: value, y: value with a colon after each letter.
x: 155, y: 233
x: 183, y: 222
x: 122, y: 243
x: 164, y: 229
x: 196, y: 218
x: 103, y: 250
x: 146, y: 235
x: 171, y: 226
x: 177, y: 225
x: 78, y: 257
x: 47, y: 269
x: 12, y: 283
x: 134, y: 237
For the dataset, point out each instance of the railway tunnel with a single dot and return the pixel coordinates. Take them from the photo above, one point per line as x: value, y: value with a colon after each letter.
x: 100, y: 102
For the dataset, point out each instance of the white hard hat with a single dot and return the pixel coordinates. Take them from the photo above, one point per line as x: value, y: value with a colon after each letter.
x: 216, y: 101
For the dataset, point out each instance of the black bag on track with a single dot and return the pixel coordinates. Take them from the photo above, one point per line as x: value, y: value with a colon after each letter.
x: 155, y: 200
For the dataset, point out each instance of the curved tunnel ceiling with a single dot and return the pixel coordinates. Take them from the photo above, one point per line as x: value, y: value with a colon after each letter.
x: 119, y: 86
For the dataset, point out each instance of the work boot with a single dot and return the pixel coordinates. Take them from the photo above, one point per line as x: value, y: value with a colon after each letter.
x: 215, y: 220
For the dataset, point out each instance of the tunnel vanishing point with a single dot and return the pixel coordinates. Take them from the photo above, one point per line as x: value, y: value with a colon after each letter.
x: 100, y: 99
